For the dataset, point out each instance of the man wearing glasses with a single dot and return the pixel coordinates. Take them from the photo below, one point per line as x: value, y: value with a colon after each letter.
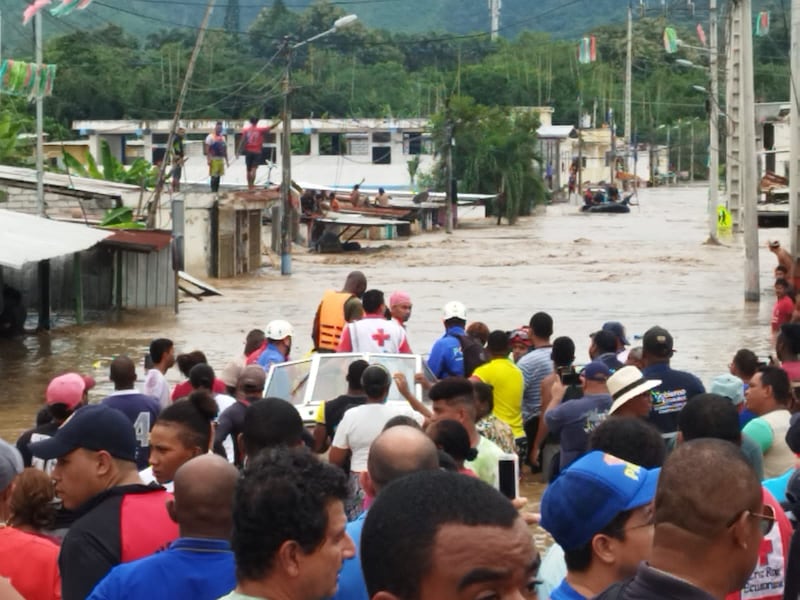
x: 600, y: 511
x: 709, y: 522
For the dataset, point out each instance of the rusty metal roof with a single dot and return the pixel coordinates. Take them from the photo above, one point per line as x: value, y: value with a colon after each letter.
x: 138, y: 240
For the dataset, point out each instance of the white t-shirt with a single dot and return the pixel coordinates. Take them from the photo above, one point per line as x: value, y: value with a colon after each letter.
x: 147, y: 477
x: 362, y: 424
x: 155, y: 384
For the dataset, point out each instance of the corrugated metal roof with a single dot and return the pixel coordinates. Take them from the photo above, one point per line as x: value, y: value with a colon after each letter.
x: 25, y: 238
x: 138, y: 240
x: 81, y: 184
x: 555, y: 131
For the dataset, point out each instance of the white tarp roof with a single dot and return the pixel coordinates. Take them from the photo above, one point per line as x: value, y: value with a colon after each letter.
x: 25, y: 238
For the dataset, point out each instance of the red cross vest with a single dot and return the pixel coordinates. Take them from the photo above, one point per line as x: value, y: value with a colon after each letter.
x: 376, y: 335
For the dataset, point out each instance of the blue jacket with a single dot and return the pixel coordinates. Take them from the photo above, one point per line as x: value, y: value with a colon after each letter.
x: 351, y: 577
x: 270, y: 355
x: 200, y: 569
x: 446, y: 358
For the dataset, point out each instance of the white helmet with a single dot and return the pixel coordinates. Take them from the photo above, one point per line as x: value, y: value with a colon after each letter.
x: 455, y: 310
x: 278, y: 329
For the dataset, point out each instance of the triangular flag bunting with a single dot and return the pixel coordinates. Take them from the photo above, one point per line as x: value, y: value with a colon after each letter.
x: 762, y: 25
x: 701, y: 35
x: 587, y: 50
x: 670, y: 40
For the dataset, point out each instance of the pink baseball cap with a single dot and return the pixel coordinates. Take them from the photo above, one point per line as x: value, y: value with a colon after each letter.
x: 399, y: 298
x: 68, y: 389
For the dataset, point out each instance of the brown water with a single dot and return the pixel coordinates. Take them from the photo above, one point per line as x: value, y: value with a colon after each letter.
x: 644, y: 268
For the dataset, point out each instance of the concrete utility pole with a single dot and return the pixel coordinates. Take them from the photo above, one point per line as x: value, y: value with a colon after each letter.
x: 741, y: 165
x: 713, y: 123
x: 794, y: 140
x: 612, y: 155
x: 450, y: 179
x: 628, y: 84
x: 494, y: 11
x: 39, y: 122
x: 286, y: 168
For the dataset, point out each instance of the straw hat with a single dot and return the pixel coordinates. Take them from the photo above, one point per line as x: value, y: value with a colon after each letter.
x: 627, y: 383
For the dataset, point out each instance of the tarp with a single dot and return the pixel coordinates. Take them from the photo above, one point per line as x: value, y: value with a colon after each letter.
x: 25, y: 238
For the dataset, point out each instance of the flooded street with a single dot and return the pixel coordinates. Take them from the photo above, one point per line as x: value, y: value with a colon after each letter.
x: 644, y: 268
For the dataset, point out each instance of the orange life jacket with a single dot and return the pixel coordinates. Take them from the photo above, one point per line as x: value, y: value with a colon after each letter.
x: 331, y: 319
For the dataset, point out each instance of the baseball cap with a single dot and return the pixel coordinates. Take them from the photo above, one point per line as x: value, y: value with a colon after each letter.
x: 95, y: 427
x: 455, y: 310
x: 230, y: 374
x: 252, y: 378
x: 519, y: 336
x: 658, y: 341
x: 399, y: 298
x: 68, y: 389
x: 729, y: 386
x: 618, y: 329
x: 774, y: 244
x: 590, y: 493
x: 10, y: 464
x: 596, y: 371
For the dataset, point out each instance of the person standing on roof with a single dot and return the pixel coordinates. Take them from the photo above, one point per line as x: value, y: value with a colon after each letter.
x: 329, y: 321
x: 253, y: 143
x: 216, y: 155
x: 279, y: 343
x: 178, y: 158
x: 374, y: 333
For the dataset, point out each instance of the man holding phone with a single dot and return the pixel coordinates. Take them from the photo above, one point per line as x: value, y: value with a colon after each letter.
x: 575, y: 420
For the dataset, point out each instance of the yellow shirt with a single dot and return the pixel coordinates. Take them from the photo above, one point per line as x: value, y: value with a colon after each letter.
x: 508, y: 383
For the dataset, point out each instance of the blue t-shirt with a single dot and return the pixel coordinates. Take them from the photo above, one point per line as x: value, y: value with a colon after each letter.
x: 669, y: 398
x: 573, y: 421
x: 351, y: 577
x: 200, y: 569
x: 566, y: 592
x: 446, y: 358
x: 142, y: 411
x: 745, y: 417
x: 270, y: 355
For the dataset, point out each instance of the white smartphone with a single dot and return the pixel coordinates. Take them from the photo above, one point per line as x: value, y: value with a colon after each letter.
x: 508, y: 475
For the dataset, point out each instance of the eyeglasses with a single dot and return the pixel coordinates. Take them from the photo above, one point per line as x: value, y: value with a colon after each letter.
x: 766, y: 519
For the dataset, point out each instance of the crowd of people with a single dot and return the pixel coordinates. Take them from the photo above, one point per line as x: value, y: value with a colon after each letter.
x: 657, y: 488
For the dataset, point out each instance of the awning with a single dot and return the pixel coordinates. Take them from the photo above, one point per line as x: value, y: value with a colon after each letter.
x: 25, y: 238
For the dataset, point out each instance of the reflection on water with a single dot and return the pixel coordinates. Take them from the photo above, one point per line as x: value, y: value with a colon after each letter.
x: 643, y: 268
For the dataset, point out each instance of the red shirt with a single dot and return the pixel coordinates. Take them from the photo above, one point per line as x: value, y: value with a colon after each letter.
x: 767, y: 580
x: 185, y: 388
x: 254, y: 137
x: 31, y: 563
x: 782, y: 312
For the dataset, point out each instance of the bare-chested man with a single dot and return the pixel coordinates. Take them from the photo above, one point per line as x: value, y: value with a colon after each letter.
x: 785, y: 259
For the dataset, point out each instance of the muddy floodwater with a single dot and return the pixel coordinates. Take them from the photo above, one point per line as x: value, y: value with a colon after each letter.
x: 644, y: 268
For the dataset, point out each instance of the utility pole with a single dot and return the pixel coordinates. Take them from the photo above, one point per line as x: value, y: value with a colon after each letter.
x: 612, y: 155
x: 794, y: 140
x: 494, y: 10
x: 628, y: 82
x: 742, y: 135
x: 450, y: 180
x: 579, y: 174
x: 286, y: 166
x: 713, y: 124
x: 39, y: 122
x: 678, y: 166
x: 691, y: 151
x: 153, y: 210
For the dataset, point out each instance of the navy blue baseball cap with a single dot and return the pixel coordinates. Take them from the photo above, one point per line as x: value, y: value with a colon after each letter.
x: 618, y: 329
x: 593, y: 490
x: 95, y: 427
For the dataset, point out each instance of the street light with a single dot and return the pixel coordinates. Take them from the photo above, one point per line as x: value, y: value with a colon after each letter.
x: 286, y: 142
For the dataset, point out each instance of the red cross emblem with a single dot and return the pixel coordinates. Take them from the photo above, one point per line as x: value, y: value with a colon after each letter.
x: 764, y: 551
x: 380, y: 336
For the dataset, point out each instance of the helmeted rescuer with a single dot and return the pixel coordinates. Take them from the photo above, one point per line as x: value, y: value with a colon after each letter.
x: 330, y: 321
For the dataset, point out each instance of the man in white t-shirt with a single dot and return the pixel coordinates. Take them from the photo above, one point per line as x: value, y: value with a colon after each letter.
x: 359, y: 428
x: 162, y: 353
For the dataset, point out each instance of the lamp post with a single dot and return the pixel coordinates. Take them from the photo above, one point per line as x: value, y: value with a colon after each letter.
x: 286, y: 142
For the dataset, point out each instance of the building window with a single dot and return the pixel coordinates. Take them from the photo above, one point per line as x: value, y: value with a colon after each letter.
x: 416, y: 142
x: 381, y: 137
x: 331, y: 144
x: 357, y: 143
x: 301, y: 144
x: 381, y: 155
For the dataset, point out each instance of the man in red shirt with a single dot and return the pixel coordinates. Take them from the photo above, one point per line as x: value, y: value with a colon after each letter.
x: 118, y: 518
x: 252, y: 143
x: 29, y: 561
x: 784, y: 306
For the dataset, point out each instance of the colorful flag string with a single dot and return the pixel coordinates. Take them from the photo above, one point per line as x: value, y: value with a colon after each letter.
x: 587, y: 50
x: 66, y: 7
x: 18, y: 78
x: 762, y: 24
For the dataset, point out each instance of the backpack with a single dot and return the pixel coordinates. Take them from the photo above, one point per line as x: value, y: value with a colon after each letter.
x: 473, y: 352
